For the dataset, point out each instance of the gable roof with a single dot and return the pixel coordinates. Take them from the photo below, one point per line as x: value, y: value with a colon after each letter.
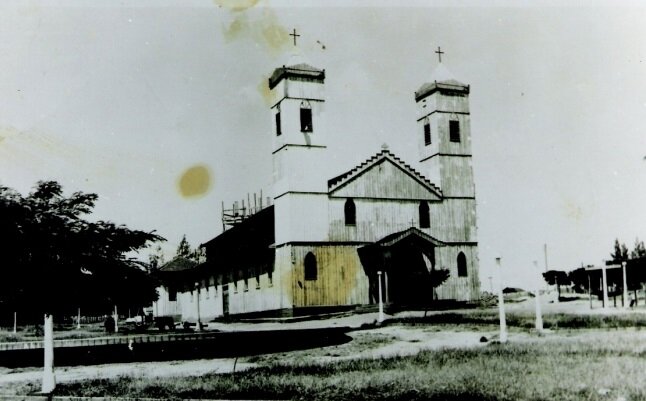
x: 410, y: 232
x: 178, y: 264
x: 385, y: 155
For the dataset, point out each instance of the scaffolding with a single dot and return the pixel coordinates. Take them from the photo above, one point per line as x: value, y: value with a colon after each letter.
x: 240, y: 212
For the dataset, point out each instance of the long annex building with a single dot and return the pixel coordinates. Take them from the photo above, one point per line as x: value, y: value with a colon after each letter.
x: 326, y: 240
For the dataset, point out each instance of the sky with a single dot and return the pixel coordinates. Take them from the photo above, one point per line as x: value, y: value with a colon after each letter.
x: 160, y: 108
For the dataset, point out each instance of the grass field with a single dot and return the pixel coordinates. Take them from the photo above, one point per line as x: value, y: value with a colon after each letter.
x: 526, y: 320
x: 585, y: 356
x: 599, y: 365
x: 31, y: 333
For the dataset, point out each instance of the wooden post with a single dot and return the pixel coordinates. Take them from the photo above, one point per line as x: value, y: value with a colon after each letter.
x: 78, y: 320
x: 49, y: 379
x: 625, y: 289
x: 501, y: 306
x: 589, y: 291
x: 386, y: 293
x: 537, y: 298
x: 15, y: 322
x: 381, y: 303
x: 605, y: 286
x: 116, y: 320
x: 197, y: 296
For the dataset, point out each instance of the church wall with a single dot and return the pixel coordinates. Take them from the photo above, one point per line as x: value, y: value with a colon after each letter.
x: 341, y: 279
x: 290, y: 123
x: 376, y: 219
x: 454, y: 220
x: 300, y: 169
x: 456, y: 175
x: 291, y: 88
x: 385, y: 181
x: 439, y: 101
x: 301, y: 217
x: 445, y: 145
x: 459, y: 288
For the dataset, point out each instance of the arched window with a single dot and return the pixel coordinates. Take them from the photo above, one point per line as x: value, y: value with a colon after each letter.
x: 350, y: 213
x: 462, y: 265
x: 306, y: 117
x: 424, y: 216
x: 311, y: 271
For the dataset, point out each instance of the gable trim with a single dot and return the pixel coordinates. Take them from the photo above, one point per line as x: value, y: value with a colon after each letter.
x: 413, y: 231
x: 379, y: 158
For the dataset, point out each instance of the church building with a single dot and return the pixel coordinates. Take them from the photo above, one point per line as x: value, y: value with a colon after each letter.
x: 324, y: 242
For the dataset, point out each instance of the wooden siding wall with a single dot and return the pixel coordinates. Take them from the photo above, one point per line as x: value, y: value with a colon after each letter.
x: 268, y: 295
x: 377, y: 219
x: 432, y: 109
x: 385, y: 181
x: 456, y: 175
x: 459, y: 288
x: 454, y: 220
x: 440, y: 101
x: 341, y: 279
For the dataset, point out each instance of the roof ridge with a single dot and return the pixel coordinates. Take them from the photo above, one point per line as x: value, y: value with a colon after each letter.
x: 414, y: 171
x: 386, y: 154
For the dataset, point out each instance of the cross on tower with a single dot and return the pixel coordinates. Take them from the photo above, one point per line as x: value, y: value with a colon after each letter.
x: 294, y: 35
x: 439, y: 53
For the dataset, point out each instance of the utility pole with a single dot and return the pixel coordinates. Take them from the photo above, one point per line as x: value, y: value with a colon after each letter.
x: 537, y: 298
x: 501, y: 306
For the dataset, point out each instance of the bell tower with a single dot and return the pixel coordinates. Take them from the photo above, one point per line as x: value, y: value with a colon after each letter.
x: 444, y: 138
x: 299, y: 150
x: 299, y: 133
x: 444, y: 134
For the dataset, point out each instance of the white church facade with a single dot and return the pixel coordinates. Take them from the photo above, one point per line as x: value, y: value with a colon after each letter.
x: 326, y: 240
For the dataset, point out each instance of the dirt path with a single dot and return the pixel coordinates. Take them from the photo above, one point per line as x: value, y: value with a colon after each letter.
x: 381, y: 342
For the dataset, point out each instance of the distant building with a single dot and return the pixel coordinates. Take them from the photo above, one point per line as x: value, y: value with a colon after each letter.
x: 322, y: 242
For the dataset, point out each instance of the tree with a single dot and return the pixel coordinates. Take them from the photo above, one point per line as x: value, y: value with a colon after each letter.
x: 439, y: 277
x: 579, y: 279
x: 639, y: 251
x: 57, y: 260
x: 199, y: 255
x: 184, y: 249
x: 620, y: 252
x: 558, y: 278
x: 156, y: 259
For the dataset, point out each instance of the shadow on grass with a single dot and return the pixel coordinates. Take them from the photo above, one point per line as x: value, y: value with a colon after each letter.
x: 215, y: 345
